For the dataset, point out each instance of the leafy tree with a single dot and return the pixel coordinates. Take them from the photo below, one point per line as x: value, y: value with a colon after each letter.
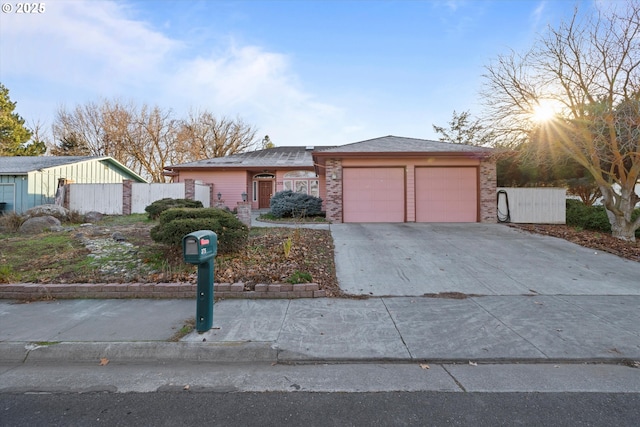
x: 14, y: 135
x: 588, y: 71
x: 462, y: 130
x: 267, y: 143
x: 70, y: 145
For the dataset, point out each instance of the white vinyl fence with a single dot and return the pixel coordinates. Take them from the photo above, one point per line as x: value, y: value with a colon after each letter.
x: 103, y: 198
x: 532, y: 205
x: 142, y: 195
x: 109, y: 199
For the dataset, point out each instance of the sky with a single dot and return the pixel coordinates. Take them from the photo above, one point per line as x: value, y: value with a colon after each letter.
x: 307, y: 73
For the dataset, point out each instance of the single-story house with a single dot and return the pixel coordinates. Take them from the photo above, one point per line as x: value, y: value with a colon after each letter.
x: 28, y: 181
x: 387, y: 179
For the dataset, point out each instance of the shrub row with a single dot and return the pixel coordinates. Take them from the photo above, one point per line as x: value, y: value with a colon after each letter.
x: 175, y: 223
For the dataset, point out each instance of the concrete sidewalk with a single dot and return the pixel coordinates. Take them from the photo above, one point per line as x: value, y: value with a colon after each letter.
x: 490, y: 329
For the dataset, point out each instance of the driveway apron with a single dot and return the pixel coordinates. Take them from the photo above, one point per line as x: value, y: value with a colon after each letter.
x: 412, y: 259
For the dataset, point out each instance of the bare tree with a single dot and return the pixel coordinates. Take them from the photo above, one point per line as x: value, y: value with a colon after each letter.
x: 147, y: 139
x: 203, y: 136
x: 588, y: 70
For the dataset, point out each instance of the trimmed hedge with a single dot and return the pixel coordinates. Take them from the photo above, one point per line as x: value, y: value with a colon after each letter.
x: 289, y: 204
x: 587, y: 217
x: 590, y: 217
x: 156, y: 208
x: 176, y: 223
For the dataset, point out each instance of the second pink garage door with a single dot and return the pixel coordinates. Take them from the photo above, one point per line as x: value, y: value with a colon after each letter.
x: 373, y: 195
x: 446, y: 194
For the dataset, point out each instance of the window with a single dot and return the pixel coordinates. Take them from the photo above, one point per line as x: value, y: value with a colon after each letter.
x: 302, y: 182
x: 314, y: 188
x: 302, y: 186
x: 300, y: 174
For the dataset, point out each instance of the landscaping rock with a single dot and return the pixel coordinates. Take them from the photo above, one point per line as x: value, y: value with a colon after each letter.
x: 56, y: 211
x: 40, y: 224
x: 93, y: 217
x: 118, y: 237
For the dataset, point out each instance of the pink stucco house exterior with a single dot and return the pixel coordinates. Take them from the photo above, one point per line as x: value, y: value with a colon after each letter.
x: 387, y: 179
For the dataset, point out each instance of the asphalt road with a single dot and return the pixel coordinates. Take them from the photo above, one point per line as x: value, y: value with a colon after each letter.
x: 320, y: 409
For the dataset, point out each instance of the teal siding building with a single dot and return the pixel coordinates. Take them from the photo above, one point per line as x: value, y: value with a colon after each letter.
x: 26, y: 181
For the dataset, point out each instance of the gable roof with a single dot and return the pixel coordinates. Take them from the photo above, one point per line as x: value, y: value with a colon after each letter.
x: 398, y: 144
x: 295, y: 156
x: 22, y: 165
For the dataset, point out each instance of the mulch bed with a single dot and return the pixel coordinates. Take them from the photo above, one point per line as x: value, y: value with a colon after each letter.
x: 587, y: 238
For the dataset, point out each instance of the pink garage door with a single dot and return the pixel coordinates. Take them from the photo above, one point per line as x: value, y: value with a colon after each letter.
x: 373, y: 194
x: 446, y: 194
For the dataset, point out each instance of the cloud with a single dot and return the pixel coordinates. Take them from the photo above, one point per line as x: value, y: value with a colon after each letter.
x: 538, y: 14
x: 99, y: 50
x: 258, y: 85
x: 89, y: 44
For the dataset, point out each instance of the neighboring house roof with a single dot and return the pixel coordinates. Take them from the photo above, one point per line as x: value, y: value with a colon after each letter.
x: 22, y: 165
x: 396, y: 144
x: 270, y: 157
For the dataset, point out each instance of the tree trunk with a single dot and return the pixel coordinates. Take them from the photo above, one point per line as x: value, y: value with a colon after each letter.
x: 619, y: 208
x: 621, y: 228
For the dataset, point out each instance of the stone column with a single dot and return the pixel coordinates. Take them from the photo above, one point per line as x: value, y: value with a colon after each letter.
x: 334, y: 190
x: 244, y: 213
x: 212, y: 196
x: 488, y: 191
x: 190, y: 189
x: 127, y: 186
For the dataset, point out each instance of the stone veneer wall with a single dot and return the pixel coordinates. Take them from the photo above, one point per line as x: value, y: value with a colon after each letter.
x: 37, y: 291
x: 488, y: 189
x: 334, y: 190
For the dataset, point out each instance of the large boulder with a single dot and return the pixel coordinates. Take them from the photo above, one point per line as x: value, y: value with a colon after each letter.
x: 39, y: 224
x: 56, y: 211
x: 93, y: 217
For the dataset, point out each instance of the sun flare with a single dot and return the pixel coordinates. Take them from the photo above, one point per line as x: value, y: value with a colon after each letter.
x: 543, y: 111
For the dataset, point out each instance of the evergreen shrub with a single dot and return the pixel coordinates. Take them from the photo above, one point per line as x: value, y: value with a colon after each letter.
x: 156, y: 208
x: 289, y: 204
x: 177, y: 222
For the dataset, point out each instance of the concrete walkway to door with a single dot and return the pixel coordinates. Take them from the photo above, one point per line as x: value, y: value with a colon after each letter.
x: 412, y: 259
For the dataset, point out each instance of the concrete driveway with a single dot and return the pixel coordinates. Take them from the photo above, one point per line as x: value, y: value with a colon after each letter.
x: 486, y: 259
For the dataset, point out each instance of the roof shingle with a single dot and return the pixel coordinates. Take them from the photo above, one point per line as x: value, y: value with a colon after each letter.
x: 397, y: 144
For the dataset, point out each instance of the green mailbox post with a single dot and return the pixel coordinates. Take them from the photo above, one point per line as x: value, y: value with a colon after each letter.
x: 199, y: 248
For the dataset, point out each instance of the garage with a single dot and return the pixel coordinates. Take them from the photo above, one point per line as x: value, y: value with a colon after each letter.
x: 446, y: 194
x: 374, y: 194
x: 397, y: 179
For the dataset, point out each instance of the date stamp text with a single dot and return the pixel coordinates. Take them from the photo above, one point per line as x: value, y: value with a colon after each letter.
x: 24, y: 8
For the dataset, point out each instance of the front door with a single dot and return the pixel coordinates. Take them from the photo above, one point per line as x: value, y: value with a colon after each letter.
x: 265, y: 191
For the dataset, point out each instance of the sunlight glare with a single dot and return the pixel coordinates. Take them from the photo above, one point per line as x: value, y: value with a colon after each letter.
x: 543, y: 112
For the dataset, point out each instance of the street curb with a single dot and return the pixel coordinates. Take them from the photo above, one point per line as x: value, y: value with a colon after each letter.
x: 137, y: 352
x: 159, y: 352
